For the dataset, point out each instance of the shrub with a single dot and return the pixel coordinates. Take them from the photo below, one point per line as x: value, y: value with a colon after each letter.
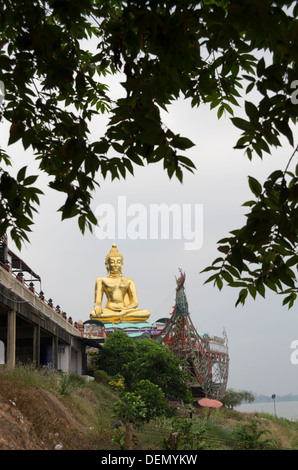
x: 101, y: 376
x: 69, y: 382
x: 117, y: 383
x: 248, y: 437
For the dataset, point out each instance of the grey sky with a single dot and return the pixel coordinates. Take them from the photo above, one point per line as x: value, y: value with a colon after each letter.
x: 260, y: 333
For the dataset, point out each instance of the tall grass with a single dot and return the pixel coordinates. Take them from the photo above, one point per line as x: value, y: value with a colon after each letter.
x: 89, y: 403
x: 28, y: 375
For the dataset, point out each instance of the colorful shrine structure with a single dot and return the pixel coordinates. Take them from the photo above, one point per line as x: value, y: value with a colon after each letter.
x: 207, y: 357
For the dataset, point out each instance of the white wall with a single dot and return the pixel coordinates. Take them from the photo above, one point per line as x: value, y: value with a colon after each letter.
x: 2, y: 353
x: 70, y: 358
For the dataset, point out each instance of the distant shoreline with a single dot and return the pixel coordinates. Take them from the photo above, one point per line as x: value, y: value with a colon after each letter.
x: 278, y: 398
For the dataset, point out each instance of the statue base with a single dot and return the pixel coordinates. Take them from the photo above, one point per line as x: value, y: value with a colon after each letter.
x: 133, y: 329
x: 96, y: 329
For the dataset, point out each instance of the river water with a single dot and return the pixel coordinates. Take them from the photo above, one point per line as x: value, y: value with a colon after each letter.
x: 283, y: 409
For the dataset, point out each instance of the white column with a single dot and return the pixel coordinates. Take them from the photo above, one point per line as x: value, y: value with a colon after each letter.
x: 11, y: 339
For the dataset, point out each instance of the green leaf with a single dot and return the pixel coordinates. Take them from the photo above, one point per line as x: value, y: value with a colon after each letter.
x: 16, y: 132
x: 252, y: 290
x: 242, y: 296
x: 261, y: 67
x: 101, y: 146
x: 226, y: 276
x: 220, y: 111
x: 211, y: 278
x: 21, y: 174
x: 255, y: 186
x: 186, y: 161
x: 252, y: 111
x: 28, y: 138
x: 80, y: 84
x: 224, y: 249
x: 284, y: 128
x: 30, y: 180
x: 183, y: 143
x: 232, y: 270
x: 219, y: 283
x: 242, y: 124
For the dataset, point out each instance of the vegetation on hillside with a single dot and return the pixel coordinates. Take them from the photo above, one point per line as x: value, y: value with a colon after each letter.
x: 144, y: 359
x: 46, y: 410
x: 151, y: 375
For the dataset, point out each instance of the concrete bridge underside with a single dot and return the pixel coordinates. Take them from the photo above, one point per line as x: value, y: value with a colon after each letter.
x: 32, y: 332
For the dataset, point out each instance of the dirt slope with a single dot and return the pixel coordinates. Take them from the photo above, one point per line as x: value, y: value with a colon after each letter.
x: 34, y: 419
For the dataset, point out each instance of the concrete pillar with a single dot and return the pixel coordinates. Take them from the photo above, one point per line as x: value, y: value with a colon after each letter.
x: 84, y: 360
x: 36, y: 346
x: 65, y: 354
x: 11, y: 339
x: 55, y: 352
x: 2, y: 353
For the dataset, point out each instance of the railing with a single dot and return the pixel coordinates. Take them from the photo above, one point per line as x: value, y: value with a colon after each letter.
x: 16, y: 284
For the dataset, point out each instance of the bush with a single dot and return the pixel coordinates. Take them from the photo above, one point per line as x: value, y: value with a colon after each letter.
x: 69, y: 382
x: 144, y: 359
x: 189, y: 436
x: 248, y: 437
x: 101, y: 376
x: 117, y: 383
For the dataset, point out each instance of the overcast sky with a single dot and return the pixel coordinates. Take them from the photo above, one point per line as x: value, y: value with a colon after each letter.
x: 260, y: 333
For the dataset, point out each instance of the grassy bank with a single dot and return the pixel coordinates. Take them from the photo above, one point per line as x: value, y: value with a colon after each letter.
x: 48, y: 410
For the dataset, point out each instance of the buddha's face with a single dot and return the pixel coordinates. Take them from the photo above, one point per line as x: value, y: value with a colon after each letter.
x: 115, y: 264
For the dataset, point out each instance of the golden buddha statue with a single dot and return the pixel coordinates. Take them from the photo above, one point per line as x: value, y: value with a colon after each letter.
x: 122, y: 301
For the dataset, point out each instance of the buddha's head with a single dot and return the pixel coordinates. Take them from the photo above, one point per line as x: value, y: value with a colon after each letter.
x: 114, y: 261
